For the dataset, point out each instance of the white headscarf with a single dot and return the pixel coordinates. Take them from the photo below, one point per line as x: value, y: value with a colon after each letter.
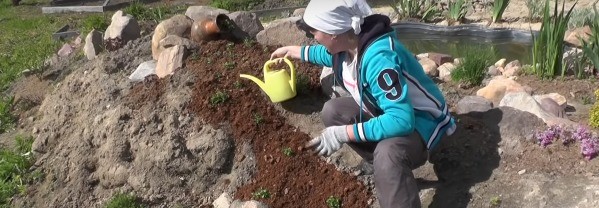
x: 336, y: 16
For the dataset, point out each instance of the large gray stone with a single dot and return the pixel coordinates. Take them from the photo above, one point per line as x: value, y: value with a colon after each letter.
x: 248, y: 22
x: 200, y: 12
x: 525, y: 102
x: 123, y: 28
x: 473, y: 104
x: 283, y: 32
x: 178, y: 25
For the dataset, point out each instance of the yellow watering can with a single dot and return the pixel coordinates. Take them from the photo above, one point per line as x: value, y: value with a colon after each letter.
x: 277, y: 83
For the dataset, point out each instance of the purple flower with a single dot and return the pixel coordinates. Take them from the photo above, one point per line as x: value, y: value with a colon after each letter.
x: 589, y: 147
x: 581, y: 133
x: 545, y: 138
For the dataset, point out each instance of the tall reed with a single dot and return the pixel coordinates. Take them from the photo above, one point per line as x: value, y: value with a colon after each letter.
x: 590, y: 48
x: 498, y: 9
x: 549, y: 45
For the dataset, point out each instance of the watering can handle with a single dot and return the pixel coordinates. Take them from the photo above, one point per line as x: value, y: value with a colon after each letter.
x: 291, y: 68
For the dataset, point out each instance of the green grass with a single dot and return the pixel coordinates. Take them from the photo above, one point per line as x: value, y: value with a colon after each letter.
x: 14, y: 169
x: 122, y: 200
x: 473, y: 68
x: 142, y: 12
x: 235, y: 5
x: 25, y: 40
x: 95, y: 21
x: 535, y: 9
x: 261, y: 193
x: 457, y: 10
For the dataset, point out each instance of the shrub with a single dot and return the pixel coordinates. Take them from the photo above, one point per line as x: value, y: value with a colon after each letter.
x: 457, y: 10
x: 498, y: 9
x: 472, y: 70
x: 122, y: 200
x: 581, y: 17
x: 549, y: 45
x: 425, y: 10
x: 594, y: 113
x: 535, y: 9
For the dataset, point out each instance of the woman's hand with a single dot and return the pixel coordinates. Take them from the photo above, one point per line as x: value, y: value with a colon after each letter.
x: 286, y: 51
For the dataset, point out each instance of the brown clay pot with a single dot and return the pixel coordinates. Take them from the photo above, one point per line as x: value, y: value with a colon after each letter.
x: 211, y: 28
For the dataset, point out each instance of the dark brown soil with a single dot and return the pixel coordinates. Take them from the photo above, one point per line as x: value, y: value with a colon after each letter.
x: 299, y: 180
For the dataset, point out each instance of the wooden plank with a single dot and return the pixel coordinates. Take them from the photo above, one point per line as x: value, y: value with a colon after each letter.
x: 66, y: 9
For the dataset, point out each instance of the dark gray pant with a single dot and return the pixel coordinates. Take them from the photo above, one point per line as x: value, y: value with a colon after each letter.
x: 393, y: 158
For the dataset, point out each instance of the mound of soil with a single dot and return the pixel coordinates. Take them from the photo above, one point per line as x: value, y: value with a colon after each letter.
x: 221, y: 98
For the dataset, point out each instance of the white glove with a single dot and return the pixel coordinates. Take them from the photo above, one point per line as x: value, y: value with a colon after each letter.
x: 330, y: 140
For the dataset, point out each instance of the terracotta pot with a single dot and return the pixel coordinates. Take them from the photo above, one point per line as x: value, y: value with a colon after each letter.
x: 212, y: 28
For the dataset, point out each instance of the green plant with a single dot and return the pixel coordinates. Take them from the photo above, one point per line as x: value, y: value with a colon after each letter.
x: 535, y: 9
x: 122, y: 200
x: 549, y: 45
x: 288, y: 152
x: 6, y: 117
x: 495, y: 201
x: 594, y: 113
x: 261, y: 193
x: 238, y: 85
x: 230, y: 65
x: 14, y: 169
x: 590, y: 48
x: 333, y: 202
x: 218, y: 97
x: 472, y: 70
x: 457, y: 10
x: 140, y: 12
x: 137, y: 10
x: 302, y: 83
x: 498, y: 9
x: 248, y: 42
x: 257, y: 118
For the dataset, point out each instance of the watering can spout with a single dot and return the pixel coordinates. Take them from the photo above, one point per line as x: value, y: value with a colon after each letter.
x: 260, y: 83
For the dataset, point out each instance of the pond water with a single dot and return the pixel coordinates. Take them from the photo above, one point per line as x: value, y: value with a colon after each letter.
x: 506, y: 43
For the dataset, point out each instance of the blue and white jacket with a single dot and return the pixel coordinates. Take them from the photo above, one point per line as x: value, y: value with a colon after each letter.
x: 392, y: 84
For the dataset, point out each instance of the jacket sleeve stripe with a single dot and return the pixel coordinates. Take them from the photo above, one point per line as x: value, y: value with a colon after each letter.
x: 413, y: 81
x: 440, y: 126
x: 305, y: 53
x: 361, y: 132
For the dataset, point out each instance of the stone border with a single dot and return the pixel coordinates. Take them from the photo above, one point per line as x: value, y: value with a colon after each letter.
x: 65, y: 9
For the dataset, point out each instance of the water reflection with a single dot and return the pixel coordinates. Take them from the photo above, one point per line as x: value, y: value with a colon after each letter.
x: 509, y: 44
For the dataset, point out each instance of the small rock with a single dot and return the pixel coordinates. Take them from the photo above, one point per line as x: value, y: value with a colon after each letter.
x: 440, y: 58
x: 493, y: 71
x: 521, y: 171
x: 143, y: 70
x: 429, y: 67
x: 299, y: 12
x: 223, y: 201
x: 500, y: 63
x: 422, y: 55
x: 65, y: 51
x: 512, y: 69
x: 445, y: 71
